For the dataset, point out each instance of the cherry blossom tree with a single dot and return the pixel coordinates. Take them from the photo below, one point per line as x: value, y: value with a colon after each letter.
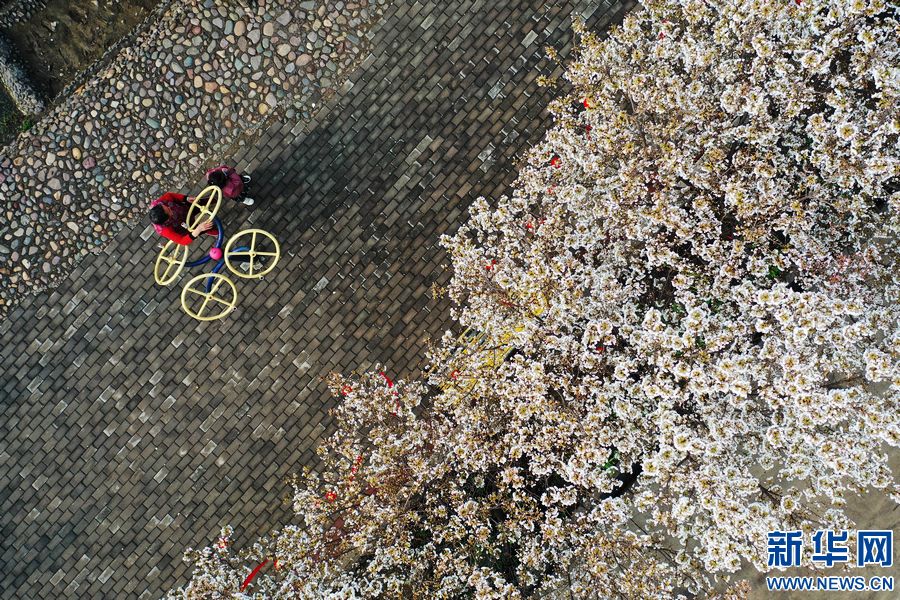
x: 683, y: 332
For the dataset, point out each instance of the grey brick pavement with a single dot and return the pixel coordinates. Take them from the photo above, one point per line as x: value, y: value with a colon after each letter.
x: 130, y: 432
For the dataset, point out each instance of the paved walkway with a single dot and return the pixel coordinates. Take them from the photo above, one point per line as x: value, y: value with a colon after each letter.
x: 130, y: 432
x: 199, y: 78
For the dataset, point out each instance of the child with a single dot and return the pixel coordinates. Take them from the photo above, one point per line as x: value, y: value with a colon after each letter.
x: 230, y: 182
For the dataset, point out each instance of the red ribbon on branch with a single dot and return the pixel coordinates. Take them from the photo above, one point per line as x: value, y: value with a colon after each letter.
x: 387, y: 379
x: 390, y: 385
x: 253, y: 574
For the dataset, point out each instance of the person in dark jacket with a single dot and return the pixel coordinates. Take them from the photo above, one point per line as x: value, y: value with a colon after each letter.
x: 232, y: 183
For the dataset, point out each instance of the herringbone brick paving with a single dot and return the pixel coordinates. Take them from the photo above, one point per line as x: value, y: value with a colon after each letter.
x: 131, y: 432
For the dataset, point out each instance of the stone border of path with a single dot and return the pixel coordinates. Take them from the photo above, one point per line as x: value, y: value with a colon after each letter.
x: 18, y: 11
x: 110, y: 54
x: 13, y: 76
x: 16, y: 83
x: 202, y: 79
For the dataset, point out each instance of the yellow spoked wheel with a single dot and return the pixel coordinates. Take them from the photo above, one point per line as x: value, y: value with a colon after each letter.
x: 257, y: 249
x: 204, y: 207
x: 208, y: 305
x: 169, y: 263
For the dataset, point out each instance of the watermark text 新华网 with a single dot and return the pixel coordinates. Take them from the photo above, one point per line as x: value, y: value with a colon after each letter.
x: 830, y: 548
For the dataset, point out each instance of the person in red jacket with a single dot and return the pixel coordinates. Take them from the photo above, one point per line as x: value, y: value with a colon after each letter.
x: 168, y: 214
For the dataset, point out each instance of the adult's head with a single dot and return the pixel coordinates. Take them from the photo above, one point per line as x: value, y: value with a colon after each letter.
x: 158, y: 215
x: 217, y: 178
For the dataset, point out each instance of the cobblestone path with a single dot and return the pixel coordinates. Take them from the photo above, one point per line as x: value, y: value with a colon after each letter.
x: 130, y: 431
